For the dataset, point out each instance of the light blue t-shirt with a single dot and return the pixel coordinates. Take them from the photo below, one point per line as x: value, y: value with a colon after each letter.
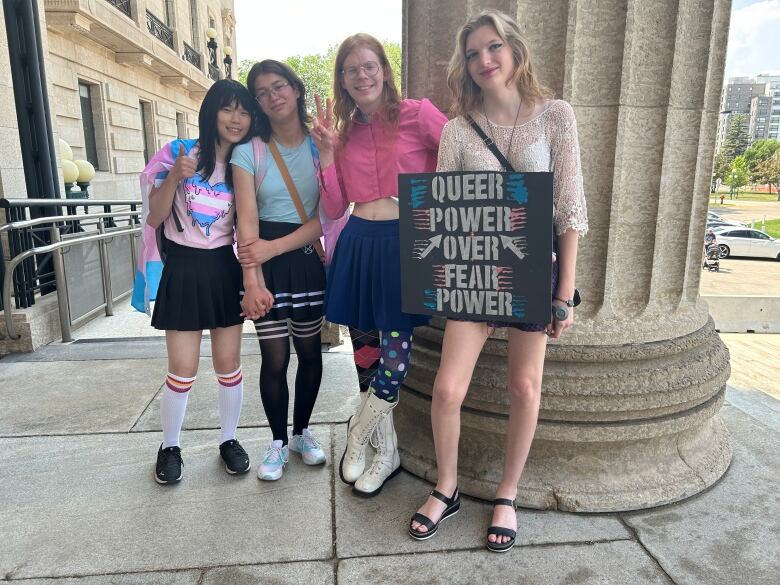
x: 273, y: 199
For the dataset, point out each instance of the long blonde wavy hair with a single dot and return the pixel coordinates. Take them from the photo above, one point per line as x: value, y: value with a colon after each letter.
x: 344, y: 106
x: 466, y: 93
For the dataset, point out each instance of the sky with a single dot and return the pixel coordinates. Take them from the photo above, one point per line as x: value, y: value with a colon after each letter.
x: 303, y: 27
x: 753, y: 38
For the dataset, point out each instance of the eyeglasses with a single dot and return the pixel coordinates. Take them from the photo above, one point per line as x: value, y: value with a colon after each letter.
x: 275, y: 89
x: 371, y: 68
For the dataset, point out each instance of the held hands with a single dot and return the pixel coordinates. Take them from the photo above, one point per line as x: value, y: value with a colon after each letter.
x: 256, y: 253
x: 184, y: 167
x: 256, y: 302
x: 323, y: 133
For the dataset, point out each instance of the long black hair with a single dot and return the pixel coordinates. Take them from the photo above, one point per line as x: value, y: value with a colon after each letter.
x: 225, y: 92
x: 282, y: 70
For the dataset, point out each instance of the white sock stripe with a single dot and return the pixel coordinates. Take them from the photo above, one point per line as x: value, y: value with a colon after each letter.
x: 318, y: 320
x: 300, y: 336
x: 181, y: 379
x: 306, y: 304
x: 316, y: 327
x: 274, y: 322
x: 312, y: 293
x: 270, y: 326
x: 261, y: 337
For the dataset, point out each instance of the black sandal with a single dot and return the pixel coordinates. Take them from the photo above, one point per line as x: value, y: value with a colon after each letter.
x: 501, y: 531
x: 453, y: 505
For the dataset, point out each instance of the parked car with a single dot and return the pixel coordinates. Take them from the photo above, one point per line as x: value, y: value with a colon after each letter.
x: 714, y: 218
x: 736, y: 241
x: 720, y: 224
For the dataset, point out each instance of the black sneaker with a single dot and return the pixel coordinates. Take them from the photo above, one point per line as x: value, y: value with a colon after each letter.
x: 235, y: 458
x: 169, y: 465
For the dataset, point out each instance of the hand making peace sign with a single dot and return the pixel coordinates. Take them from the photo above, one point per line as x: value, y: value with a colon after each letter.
x: 323, y: 133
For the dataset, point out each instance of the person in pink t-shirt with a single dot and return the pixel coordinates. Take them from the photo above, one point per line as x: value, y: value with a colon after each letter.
x: 192, y: 200
x: 371, y: 136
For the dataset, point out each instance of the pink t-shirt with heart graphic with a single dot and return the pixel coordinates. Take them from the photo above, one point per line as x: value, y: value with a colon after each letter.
x: 206, y: 211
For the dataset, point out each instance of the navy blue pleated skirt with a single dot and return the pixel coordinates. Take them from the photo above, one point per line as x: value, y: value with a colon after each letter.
x: 364, y: 278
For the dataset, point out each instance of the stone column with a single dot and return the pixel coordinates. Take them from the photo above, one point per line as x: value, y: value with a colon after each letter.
x: 630, y: 399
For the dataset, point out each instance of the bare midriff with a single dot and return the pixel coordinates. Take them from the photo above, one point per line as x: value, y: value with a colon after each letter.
x: 377, y: 210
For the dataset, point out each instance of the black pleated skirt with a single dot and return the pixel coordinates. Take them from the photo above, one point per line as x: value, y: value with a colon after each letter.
x: 295, y: 278
x: 199, y: 289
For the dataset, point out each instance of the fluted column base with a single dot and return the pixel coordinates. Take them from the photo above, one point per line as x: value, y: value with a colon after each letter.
x: 612, y: 435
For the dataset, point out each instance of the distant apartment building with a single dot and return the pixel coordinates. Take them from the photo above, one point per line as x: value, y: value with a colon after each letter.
x: 772, y: 83
x: 760, y: 109
x: 736, y: 98
x: 123, y: 77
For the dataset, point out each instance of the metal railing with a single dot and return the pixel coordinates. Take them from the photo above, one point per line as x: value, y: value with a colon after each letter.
x: 214, y: 72
x: 36, y: 274
x: 158, y: 29
x: 123, y: 6
x: 191, y: 55
x: 57, y: 248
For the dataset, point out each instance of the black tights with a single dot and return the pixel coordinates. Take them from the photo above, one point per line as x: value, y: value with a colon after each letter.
x: 273, y: 382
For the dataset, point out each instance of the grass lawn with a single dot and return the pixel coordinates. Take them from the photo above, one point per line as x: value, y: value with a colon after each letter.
x: 772, y: 227
x: 746, y: 196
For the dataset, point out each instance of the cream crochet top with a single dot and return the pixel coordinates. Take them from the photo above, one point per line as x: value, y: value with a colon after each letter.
x: 545, y: 143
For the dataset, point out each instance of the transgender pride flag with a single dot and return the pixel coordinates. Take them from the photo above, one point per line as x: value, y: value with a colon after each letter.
x: 148, y: 264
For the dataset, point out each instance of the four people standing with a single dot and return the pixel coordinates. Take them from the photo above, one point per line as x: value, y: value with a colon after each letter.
x: 351, y: 158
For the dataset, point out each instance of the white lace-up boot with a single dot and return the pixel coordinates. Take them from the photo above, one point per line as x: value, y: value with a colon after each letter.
x: 360, y: 428
x: 386, y: 463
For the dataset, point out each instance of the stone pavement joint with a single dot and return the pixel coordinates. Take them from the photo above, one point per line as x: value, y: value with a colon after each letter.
x: 636, y: 538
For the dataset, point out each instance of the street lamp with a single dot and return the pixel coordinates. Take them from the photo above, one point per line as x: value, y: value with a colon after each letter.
x: 86, y: 174
x: 70, y: 172
x: 212, y: 47
x: 228, y: 50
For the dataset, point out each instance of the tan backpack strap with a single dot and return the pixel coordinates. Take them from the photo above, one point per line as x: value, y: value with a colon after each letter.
x: 296, y: 199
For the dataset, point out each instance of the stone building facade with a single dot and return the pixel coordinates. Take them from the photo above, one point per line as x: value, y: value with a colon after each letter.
x: 123, y: 77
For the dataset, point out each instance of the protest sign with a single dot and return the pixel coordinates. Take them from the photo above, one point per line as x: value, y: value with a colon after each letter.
x: 477, y: 245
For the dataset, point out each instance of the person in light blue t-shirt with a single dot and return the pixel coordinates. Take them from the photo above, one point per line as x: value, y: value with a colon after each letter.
x: 291, y: 267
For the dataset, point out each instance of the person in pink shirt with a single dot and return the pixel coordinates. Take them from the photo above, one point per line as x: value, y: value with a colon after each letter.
x: 191, y: 199
x: 370, y: 137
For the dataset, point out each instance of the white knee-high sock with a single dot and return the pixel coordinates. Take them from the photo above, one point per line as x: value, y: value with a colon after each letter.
x: 172, y: 407
x: 230, y: 397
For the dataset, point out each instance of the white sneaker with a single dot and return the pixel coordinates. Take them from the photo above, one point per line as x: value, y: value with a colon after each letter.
x: 309, y: 447
x: 274, y: 460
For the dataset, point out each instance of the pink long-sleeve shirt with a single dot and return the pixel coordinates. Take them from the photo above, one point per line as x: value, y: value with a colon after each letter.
x: 368, y: 166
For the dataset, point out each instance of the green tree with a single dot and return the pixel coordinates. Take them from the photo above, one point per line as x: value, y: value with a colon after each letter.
x: 737, y: 138
x: 316, y: 71
x: 769, y: 172
x: 757, y: 153
x: 720, y: 168
x: 395, y: 57
x: 738, y: 175
x: 243, y: 69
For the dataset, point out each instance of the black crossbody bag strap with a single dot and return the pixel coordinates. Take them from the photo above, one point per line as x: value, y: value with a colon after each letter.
x: 508, y: 166
x: 490, y: 144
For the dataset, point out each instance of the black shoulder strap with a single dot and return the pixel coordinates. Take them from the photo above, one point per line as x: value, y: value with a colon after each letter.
x: 490, y: 144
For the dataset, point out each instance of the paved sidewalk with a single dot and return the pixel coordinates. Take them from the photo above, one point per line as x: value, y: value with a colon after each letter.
x: 79, y: 430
